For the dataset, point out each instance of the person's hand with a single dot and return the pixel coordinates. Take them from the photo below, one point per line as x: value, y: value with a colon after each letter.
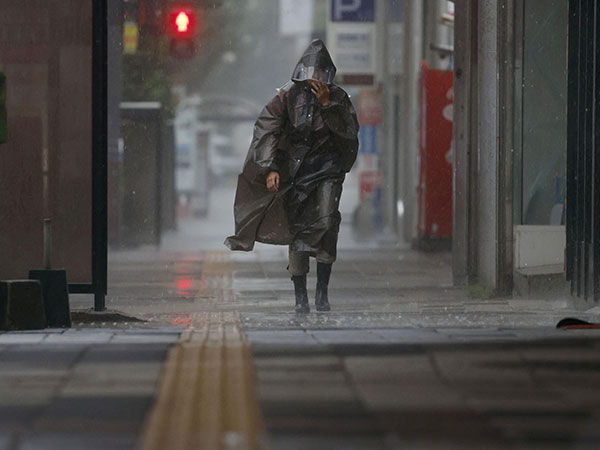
x: 273, y: 181
x: 321, y: 91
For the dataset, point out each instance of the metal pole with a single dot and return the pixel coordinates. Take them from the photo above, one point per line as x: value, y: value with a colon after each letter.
x: 47, y: 244
x: 413, y: 43
x: 463, y: 111
x: 387, y: 128
x: 506, y: 44
x: 99, y: 153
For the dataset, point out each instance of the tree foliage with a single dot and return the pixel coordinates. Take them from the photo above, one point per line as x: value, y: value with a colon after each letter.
x: 149, y: 74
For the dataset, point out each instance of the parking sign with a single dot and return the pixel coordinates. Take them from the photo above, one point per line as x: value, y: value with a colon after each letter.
x: 352, y: 10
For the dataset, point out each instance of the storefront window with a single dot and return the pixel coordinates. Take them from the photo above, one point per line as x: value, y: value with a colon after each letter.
x: 540, y: 111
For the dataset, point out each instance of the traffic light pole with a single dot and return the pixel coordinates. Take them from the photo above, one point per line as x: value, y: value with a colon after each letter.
x: 99, y: 153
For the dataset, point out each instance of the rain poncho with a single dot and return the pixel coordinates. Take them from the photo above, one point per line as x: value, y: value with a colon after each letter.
x: 312, y: 147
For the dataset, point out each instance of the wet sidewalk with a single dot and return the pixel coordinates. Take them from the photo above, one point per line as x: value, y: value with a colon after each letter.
x: 406, y: 361
x: 403, y: 361
x: 73, y: 389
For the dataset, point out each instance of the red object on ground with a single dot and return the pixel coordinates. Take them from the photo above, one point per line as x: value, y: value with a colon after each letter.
x: 435, y: 171
x: 571, y: 323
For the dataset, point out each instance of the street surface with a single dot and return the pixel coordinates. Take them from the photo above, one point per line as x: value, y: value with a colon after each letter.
x: 403, y: 361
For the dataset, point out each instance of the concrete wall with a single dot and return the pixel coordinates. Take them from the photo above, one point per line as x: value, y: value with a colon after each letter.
x: 482, y: 197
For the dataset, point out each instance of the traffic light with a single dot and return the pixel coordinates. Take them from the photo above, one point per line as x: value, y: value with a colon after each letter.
x: 182, y: 26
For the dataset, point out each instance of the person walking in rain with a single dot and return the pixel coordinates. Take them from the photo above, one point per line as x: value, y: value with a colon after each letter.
x: 305, y: 141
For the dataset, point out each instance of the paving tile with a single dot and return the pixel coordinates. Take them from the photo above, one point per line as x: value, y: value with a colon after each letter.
x: 282, y: 410
x: 305, y: 392
x: 402, y: 370
x: 19, y: 395
x: 300, y: 441
x: 410, y: 336
x: 494, y: 366
x: 114, y: 371
x: 312, y: 362
x: 125, y: 353
x: 77, y: 441
x: 43, y: 331
x: 346, y: 337
x: 79, y: 338
x: 281, y: 337
x: 22, y: 338
x: 144, y: 338
x: 115, y: 389
x: 299, y: 375
x: 392, y: 396
x: 107, y: 414
x: 38, y: 358
x: 441, y: 429
x: 558, y: 427
x: 25, y: 380
x: 157, y: 330
x: 524, y: 400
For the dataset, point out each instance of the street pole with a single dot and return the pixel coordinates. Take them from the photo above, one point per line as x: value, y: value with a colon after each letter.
x: 413, y: 55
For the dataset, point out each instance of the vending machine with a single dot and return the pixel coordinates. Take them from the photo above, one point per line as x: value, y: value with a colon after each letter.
x: 435, y: 155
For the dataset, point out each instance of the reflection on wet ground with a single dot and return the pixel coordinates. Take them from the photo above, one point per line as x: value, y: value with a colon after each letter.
x: 403, y: 360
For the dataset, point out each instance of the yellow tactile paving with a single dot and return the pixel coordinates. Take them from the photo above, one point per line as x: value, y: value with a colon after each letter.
x: 207, y: 398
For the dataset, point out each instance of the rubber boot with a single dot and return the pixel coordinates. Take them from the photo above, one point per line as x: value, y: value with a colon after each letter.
x: 301, y: 294
x: 323, y: 274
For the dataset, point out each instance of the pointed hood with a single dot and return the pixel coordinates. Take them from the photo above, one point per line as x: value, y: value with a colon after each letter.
x: 315, y: 64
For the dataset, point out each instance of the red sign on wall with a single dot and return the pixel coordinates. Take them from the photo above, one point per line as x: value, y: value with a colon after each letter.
x: 369, y: 180
x: 435, y: 176
x: 370, y: 111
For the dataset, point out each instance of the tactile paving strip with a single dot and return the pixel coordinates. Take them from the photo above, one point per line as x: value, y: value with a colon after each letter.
x: 207, y: 398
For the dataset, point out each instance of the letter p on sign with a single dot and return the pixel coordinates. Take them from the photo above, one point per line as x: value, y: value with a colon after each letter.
x: 352, y: 10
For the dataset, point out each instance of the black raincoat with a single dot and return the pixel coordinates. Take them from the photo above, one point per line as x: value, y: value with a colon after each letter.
x: 312, y: 147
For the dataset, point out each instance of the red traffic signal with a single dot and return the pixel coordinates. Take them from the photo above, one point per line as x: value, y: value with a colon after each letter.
x: 182, y: 27
x: 182, y: 22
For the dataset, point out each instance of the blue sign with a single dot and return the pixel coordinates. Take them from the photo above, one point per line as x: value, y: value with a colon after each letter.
x: 352, y: 10
x: 367, y: 137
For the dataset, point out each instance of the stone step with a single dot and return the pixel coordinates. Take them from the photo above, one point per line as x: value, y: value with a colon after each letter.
x: 548, y: 281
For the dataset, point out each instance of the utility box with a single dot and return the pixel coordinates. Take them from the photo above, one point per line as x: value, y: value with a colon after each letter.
x: 21, y: 305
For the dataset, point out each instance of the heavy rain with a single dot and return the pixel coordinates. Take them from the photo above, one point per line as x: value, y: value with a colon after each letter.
x: 299, y: 224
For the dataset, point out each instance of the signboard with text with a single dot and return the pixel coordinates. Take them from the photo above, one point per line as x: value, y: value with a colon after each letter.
x: 367, y: 137
x: 351, y: 39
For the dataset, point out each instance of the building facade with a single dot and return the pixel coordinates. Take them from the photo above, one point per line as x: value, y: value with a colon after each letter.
x: 511, y: 144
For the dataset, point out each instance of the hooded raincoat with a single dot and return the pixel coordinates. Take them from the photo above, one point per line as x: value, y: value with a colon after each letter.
x: 312, y: 147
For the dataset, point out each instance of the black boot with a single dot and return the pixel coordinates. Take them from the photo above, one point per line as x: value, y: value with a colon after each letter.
x: 323, y: 274
x: 301, y: 294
